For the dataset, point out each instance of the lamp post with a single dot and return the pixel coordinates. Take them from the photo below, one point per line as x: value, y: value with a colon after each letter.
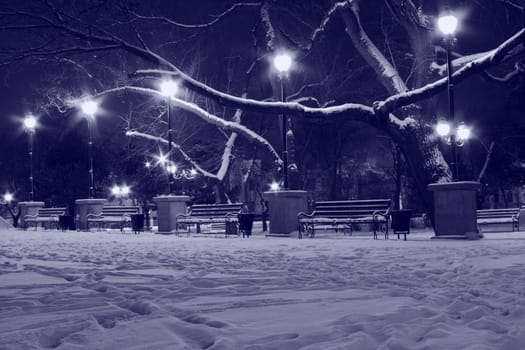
x: 90, y: 108
x: 168, y: 89
x: 447, y: 25
x: 283, y: 63
x: 456, y: 136
x: 30, y: 126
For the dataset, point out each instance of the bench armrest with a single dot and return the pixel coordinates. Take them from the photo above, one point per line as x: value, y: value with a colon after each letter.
x: 92, y: 216
x: 302, y: 215
x: 181, y: 215
x: 385, y: 214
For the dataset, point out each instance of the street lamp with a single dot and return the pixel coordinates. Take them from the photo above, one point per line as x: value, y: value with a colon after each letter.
x: 447, y: 25
x: 90, y: 109
x: 274, y: 186
x: 8, y: 198
x: 168, y: 89
x: 173, y: 171
x: 120, y: 192
x: 30, y: 126
x: 283, y: 63
x: 456, y: 136
x: 178, y: 173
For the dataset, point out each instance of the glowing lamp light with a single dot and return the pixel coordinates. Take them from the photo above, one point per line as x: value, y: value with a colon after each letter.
x: 8, y: 197
x: 30, y: 122
x: 125, y: 190
x: 162, y: 159
x: 447, y: 24
x: 120, y: 191
x: 168, y: 88
x: 443, y: 128
x: 90, y: 108
x: 463, y: 132
x: 172, y: 169
x: 274, y: 186
x: 193, y: 172
x: 282, y: 62
x: 115, y: 190
x: 147, y: 164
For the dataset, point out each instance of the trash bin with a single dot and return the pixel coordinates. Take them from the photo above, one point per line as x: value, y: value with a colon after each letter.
x: 401, y: 222
x: 137, y: 223
x: 231, y: 228
x: 246, y: 223
x: 65, y: 222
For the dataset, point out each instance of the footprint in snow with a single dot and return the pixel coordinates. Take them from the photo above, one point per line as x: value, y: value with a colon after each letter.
x: 275, y: 337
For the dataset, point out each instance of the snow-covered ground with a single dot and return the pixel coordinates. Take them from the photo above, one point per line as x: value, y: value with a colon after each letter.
x: 99, y: 290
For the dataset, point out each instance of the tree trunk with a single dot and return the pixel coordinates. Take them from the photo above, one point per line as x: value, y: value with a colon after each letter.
x: 424, y: 160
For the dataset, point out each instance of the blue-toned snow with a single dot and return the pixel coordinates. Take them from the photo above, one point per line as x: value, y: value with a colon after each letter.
x: 100, y: 290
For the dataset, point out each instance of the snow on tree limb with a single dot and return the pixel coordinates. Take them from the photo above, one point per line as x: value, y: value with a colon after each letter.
x: 324, y: 23
x: 478, y: 65
x: 389, y: 77
x: 134, y: 133
x: 353, y: 111
x: 268, y: 26
x: 199, y: 112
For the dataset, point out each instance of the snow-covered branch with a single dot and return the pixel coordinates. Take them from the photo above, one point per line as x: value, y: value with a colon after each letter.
x: 353, y: 111
x: 389, y: 77
x: 187, y: 158
x: 197, y: 111
x: 478, y: 65
x: 324, y: 23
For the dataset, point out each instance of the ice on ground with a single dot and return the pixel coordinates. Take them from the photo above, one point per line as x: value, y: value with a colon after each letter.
x: 99, y: 290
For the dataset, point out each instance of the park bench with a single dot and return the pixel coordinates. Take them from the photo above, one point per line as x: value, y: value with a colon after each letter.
x: 214, y: 214
x: 112, y: 215
x: 499, y: 216
x: 45, y: 216
x: 345, y: 215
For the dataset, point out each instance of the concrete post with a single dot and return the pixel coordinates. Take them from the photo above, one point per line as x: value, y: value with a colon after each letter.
x: 83, y: 207
x: 283, y: 209
x: 167, y: 209
x: 455, y: 209
x: 28, y: 208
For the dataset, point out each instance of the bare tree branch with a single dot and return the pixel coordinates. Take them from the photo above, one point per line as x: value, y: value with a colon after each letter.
x: 201, y: 25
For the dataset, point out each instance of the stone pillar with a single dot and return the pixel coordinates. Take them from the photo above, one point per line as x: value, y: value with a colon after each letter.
x: 455, y: 209
x: 167, y: 209
x: 521, y: 219
x: 28, y: 208
x: 283, y: 209
x: 83, y: 207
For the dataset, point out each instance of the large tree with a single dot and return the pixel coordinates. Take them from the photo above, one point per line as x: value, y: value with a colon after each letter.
x: 367, y: 62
